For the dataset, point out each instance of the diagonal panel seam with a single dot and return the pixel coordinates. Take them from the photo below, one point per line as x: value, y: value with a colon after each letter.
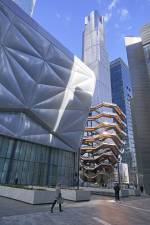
x: 12, y: 95
x: 13, y: 77
x: 22, y: 33
x: 49, y: 99
x: 55, y: 73
x: 48, y: 128
x: 16, y: 50
x: 9, y: 53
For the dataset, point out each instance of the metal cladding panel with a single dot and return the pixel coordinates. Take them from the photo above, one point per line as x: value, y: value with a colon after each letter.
x: 45, y: 91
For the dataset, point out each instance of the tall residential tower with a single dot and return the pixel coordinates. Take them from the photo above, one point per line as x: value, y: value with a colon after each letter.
x: 103, y: 140
x: 95, y: 56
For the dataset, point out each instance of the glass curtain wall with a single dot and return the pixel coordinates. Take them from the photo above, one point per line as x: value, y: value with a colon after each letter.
x: 121, y: 95
x: 34, y: 164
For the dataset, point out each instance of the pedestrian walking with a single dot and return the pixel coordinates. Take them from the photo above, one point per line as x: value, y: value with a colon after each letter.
x: 117, y: 190
x: 141, y: 188
x: 16, y: 181
x: 58, y: 198
x: 75, y: 180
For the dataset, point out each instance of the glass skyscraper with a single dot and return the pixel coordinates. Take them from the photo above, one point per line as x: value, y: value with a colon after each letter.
x: 26, y: 5
x: 121, y: 95
x: 95, y: 56
x: 138, y: 52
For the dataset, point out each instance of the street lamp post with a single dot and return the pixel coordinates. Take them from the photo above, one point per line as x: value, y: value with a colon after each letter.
x: 119, y: 178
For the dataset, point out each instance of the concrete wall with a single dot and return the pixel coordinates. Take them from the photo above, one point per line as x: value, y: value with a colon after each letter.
x: 28, y: 196
x: 76, y: 195
x: 43, y: 196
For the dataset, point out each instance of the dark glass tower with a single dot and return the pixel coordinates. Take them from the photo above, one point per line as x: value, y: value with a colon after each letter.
x: 121, y: 95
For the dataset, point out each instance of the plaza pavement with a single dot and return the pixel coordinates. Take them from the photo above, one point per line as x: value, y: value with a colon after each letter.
x: 99, y: 211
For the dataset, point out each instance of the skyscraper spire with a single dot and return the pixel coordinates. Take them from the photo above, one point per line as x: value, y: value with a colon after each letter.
x: 95, y: 56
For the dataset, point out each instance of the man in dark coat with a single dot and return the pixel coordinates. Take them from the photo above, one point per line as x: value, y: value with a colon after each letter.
x: 117, y: 190
x: 58, y: 198
x: 16, y: 181
x: 141, y: 188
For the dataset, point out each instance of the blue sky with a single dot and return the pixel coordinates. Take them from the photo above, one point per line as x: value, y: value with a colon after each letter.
x: 64, y: 19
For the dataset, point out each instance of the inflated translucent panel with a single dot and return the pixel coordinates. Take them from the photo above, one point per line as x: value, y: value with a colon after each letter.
x: 45, y: 92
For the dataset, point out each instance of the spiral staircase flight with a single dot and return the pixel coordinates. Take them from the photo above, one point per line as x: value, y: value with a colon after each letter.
x: 103, y: 141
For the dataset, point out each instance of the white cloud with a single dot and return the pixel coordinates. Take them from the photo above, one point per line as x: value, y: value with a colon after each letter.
x: 124, y: 12
x: 129, y: 27
x: 58, y: 15
x: 107, y: 16
x: 110, y: 8
x: 113, y: 4
x: 63, y: 17
x: 68, y: 18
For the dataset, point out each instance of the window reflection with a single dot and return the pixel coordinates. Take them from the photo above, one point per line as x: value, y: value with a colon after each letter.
x: 34, y: 164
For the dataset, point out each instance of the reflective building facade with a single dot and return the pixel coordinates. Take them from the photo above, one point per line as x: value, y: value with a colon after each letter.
x: 45, y: 96
x: 121, y: 95
x: 95, y: 56
x: 138, y: 52
x: 26, y: 5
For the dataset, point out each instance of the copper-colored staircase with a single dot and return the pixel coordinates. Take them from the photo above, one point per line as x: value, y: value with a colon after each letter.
x: 103, y: 140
